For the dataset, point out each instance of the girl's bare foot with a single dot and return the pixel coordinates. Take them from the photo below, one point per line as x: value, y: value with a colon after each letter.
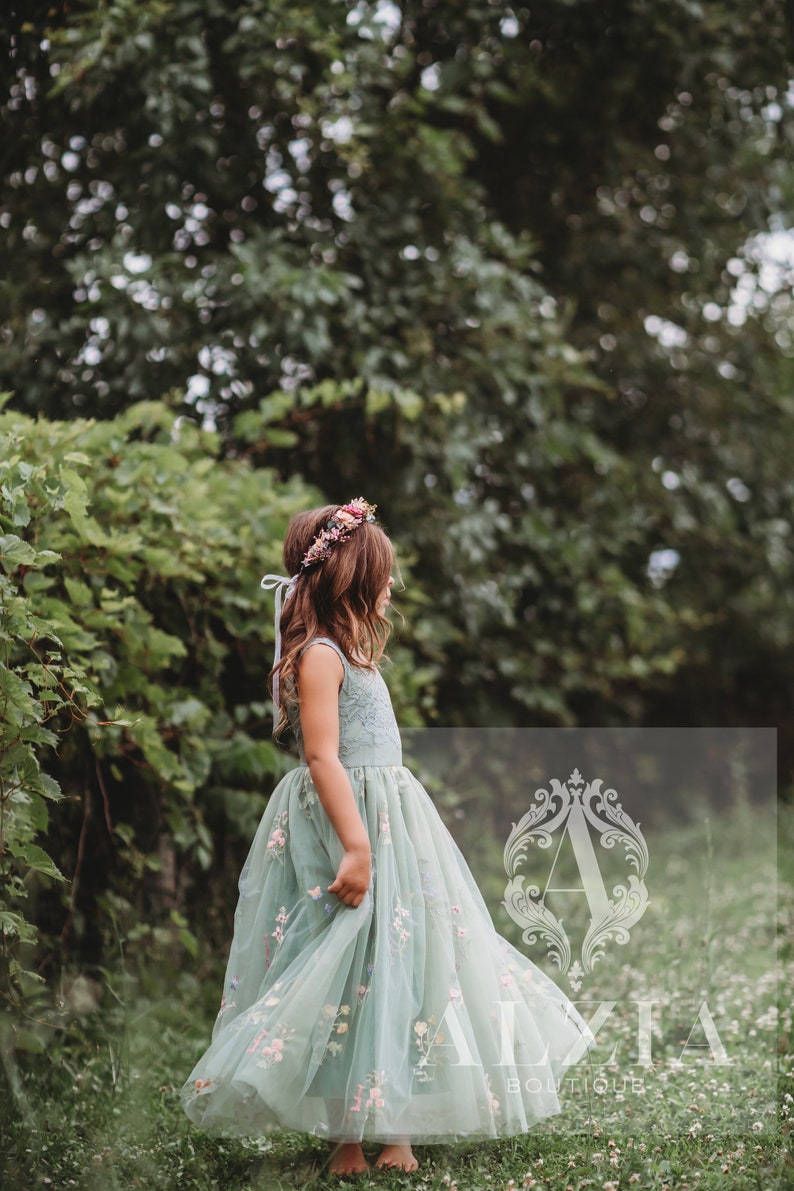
x: 397, y: 1156
x: 347, y: 1157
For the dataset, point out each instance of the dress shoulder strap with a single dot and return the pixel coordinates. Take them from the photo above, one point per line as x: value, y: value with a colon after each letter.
x: 327, y: 641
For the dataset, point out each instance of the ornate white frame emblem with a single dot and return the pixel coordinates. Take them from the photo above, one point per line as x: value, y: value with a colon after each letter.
x: 570, y: 806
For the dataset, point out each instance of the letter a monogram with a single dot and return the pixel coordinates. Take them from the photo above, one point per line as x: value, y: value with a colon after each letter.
x: 568, y: 808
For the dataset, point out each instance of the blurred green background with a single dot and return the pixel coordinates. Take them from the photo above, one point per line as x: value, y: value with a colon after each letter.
x: 522, y: 276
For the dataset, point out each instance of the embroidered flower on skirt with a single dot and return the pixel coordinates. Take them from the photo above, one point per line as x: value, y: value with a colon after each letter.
x: 278, y: 839
x: 376, y: 1081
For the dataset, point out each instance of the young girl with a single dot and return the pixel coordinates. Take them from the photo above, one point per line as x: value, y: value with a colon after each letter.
x: 367, y: 994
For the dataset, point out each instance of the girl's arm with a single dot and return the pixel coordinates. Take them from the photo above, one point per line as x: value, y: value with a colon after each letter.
x: 320, y: 675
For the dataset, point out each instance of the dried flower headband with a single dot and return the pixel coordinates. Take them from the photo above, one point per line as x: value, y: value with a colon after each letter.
x: 344, y: 521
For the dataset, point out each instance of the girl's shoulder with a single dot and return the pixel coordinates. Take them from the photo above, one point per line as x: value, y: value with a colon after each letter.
x: 351, y: 667
x: 330, y: 642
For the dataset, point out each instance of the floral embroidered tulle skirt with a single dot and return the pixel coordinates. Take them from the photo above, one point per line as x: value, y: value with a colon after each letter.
x: 407, y: 1016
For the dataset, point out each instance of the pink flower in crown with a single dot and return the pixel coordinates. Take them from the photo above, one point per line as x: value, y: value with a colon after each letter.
x: 359, y: 507
x: 339, y: 526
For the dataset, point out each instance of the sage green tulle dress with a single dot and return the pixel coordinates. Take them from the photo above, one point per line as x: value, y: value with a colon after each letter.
x: 407, y: 1016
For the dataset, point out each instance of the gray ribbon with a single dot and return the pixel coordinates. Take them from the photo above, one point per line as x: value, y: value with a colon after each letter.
x: 284, y: 585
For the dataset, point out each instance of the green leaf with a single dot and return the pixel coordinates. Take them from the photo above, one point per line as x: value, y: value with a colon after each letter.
x: 15, y: 553
x: 16, y: 694
x: 36, y: 858
x: 13, y: 925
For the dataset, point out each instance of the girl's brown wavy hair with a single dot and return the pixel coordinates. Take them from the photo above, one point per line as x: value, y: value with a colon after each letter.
x: 337, y: 598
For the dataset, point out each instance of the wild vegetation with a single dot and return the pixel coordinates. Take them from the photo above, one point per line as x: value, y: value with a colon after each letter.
x: 523, y: 277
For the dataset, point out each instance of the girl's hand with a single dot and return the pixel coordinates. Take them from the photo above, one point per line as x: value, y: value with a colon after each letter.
x: 353, y: 877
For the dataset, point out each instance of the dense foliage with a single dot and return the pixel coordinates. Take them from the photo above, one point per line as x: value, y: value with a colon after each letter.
x: 134, y: 649
x: 499, y: 266
x: 134, y: 643
x: 228, y: 199
x: 507, y: 271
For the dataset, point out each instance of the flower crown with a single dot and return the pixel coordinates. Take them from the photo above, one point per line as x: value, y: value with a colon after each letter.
x: 339, y: 526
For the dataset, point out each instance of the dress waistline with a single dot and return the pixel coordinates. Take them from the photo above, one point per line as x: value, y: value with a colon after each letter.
x: 365, y: 760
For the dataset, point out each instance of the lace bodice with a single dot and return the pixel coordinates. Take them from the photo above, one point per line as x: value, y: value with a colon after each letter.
x: 368, y: 732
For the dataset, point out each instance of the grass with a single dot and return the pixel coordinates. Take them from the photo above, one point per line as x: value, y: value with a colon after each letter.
x: 91, y: 1091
